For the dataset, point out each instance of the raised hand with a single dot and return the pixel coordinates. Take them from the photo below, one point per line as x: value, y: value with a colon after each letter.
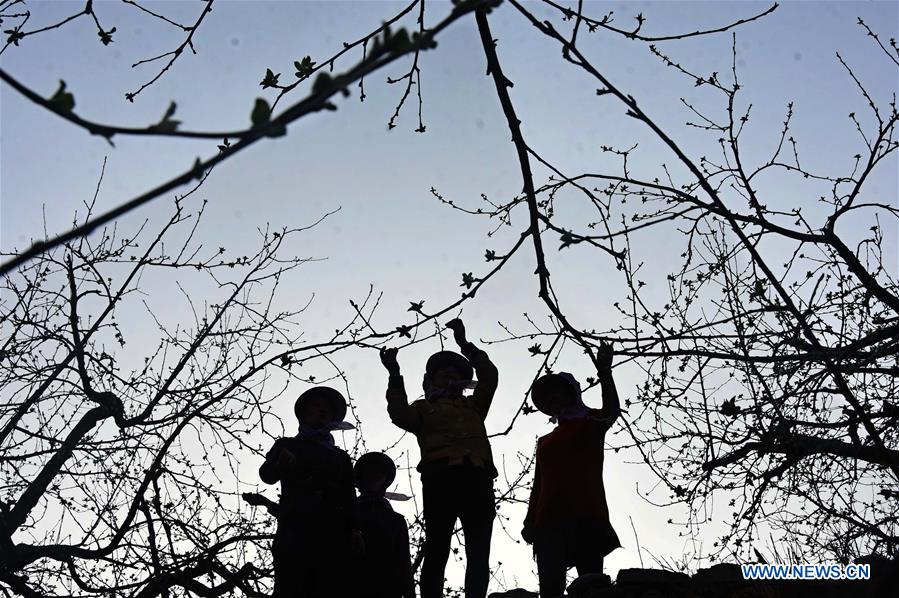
x: 604, y: 356
x: 388, y: 359
x: 255, y: 499
x: 458, y: 329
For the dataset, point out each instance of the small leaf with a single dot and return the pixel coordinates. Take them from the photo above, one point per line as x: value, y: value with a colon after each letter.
x: 404, y: 331
x: 729, y: 408
x: 304, y: 67
x: 416, y: 307
x: 63, y: 100
x: 198, y: 169
x: 467, y: 280
x: 535, y: 350
x: 261, y: 114
x: 270, y: 79
x: 106, y: 36
x: 14, y: 36
x: 322, y: 82
x: 398, y: 42
x: 167, y: 124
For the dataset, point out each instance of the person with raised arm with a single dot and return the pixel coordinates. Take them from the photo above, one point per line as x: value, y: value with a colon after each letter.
x: 456, y: 465
x: 568, y: 519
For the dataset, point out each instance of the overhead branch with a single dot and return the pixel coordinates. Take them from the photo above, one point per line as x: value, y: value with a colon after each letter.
x: 316, y: 101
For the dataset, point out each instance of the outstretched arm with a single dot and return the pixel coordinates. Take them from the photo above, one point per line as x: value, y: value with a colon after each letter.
x: 611, y: 407
x: 488, y: 376
x: 401, y: 414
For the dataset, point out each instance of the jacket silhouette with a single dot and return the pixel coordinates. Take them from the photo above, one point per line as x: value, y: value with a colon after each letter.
x: 449, y: 427
x: 456, y: 464
x: 317, y: 512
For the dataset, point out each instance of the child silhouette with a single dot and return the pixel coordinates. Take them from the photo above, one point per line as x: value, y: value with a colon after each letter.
x: 568, y: 519
x: 317, y: 522
x: 386, y: 569
x: 456, y: 465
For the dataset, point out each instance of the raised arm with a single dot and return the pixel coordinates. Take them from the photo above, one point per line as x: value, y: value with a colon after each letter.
x: 488, y: 376
x: 611, y: 407
x: 398, y: 408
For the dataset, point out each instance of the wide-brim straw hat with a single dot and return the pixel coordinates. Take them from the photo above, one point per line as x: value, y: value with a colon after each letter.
x: 547, y: 385
x: 378, y: 461
x: 333, y: 396
x: 450, y: 359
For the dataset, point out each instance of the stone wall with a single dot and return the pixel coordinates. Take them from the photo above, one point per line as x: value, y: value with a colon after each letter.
x: 725, y: 581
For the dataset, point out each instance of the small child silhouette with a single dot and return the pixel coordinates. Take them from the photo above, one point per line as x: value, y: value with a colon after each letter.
x: 317, y: 521
x: 386, y: 569
x: 456, y: 465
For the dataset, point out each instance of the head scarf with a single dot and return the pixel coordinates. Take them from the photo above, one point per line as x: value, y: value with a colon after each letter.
x: 577, y: 409
x: 322, y: 435
x: 454, y: 389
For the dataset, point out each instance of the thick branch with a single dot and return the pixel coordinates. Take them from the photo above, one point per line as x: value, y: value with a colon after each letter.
x: 316, y: 101
x: 801, y: 445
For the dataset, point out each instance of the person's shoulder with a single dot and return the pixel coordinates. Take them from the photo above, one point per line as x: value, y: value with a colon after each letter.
x: 279, y: 442
x: 597, y: 418
x: 398, y: 519
x: 541, y: 440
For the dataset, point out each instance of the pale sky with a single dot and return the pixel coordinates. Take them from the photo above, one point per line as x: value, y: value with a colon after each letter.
x: 390, y: 231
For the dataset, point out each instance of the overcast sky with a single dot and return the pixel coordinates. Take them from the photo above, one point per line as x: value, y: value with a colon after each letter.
x: 390, y: 231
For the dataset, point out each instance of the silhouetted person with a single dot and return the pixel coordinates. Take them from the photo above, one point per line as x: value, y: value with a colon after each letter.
x: 568, y: 519
x: 386, y: 568
x: 456, y: 462
x: 317, y: 522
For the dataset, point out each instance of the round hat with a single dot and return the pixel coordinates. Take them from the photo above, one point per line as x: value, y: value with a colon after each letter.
x: 333, y: 396
x: 450, y: 359
x: 546, y: 385
x: 379, y: 461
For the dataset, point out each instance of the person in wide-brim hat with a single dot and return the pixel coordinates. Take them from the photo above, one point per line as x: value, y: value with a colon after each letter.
x: 450, y: 359
x: 330, y: 396
x: 551, y: 393
x: 318, y: 527
x: 568, y: 519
